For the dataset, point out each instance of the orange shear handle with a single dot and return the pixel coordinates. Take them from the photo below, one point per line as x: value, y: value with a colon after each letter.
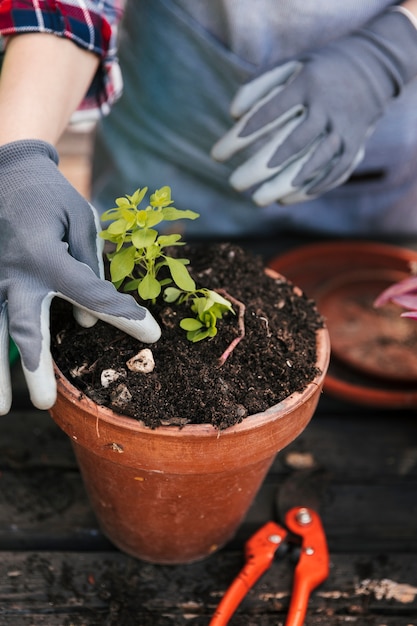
x: 313, y: 566
x: 259, y: 553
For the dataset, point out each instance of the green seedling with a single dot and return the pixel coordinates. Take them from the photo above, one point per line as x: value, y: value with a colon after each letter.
x: 140, y: 249
x: 208, y: 306
x: 141, y: 252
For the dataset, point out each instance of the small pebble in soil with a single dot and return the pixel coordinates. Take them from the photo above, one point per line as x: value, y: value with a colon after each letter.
x: 143, y: 362
x: 121, y: 395
x: 109, y: 376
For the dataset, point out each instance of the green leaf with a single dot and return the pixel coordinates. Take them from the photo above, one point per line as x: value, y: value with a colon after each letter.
x: 123, y: 202
x: 153, y: 217
x: 199, y: 335
x: 132, y: 285
x: 149, y: 288
x: 199, y: 306
x: 209, y: 318
x: 118, y: 283
x: 142, y: 218
x: 190, y: 323
x: 218, y: 310
x: 216, y: 297
x: 180, y: 274
x: 152, y: 252
x: 161, y: 197
x: 130, y: 216
x: 138, y: 196
x: 171, y: 294
x: 168, y: 240
x: 118, y: 227
x: 122, y: 264
x: 120, y: 243
x: 171, y: 214
x: 144, y: 238
x: 109, y: 214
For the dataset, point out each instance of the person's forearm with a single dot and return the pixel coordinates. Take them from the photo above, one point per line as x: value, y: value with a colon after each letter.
x: 43, y: 80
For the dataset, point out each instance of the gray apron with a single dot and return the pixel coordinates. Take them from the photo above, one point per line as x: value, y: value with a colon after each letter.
x: 179, y: 81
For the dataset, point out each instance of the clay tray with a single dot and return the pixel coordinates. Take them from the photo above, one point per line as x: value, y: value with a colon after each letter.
x: 374, y: 351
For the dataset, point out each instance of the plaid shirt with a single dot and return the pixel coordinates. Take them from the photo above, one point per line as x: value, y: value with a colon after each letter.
x: 91, y: 24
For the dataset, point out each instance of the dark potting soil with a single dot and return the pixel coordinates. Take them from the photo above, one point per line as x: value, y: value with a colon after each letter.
x: 275, y: 358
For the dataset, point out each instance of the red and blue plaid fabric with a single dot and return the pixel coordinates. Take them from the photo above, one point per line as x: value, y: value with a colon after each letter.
x: 91, y: 24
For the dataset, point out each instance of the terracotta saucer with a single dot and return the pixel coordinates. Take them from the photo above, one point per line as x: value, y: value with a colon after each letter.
x: 377, y: 342
x: 374, y: 351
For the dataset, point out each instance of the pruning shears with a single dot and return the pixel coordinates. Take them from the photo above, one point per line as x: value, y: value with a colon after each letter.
x: 304, y: 531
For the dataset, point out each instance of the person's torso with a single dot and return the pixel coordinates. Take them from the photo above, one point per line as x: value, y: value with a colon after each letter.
x: 183, y: 61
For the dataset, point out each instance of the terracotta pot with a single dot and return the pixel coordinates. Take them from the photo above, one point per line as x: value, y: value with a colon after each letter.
x: 175, y: 495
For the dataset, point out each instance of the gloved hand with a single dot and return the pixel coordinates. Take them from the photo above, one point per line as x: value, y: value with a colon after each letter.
x: 49, y: 246
x: 311, y: 117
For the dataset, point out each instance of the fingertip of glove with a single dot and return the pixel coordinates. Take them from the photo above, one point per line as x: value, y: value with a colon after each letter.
x: 150, y: 330
x: 260, y: 199
x: 41, y: 384
x: 84, y: 318
x: 219, y: 151
x: 145, y: 329
x: 43, y: 399
x: 239, y: 106
x: 5, y: 406
x: 236, y: 182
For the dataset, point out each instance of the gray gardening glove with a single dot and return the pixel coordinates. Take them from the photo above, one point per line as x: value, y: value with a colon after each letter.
x: 311, y: 117
x: 48, y: 247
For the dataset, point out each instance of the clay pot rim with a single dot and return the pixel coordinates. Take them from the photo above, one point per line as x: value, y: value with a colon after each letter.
x: 256, y: 420
x: 367, y: 396
x: 305, y: 253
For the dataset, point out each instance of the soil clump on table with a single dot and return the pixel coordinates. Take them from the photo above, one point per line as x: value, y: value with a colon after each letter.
x: 275, y: 358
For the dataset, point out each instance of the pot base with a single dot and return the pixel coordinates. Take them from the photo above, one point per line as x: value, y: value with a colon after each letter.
x: 171, y: 519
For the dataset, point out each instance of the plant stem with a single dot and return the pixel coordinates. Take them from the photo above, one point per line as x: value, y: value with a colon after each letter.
x: 241, y: 325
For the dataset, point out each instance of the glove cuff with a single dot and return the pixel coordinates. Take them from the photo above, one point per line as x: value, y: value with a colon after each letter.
x: 26, y: 162
x: 24, y: 148
x: 407, y: 13
x: 394, y: 38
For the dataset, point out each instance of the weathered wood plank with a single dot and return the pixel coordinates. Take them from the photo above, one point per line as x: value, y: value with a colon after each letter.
x: 141, y: 619
x: 356, y: 517
x: 362, y: 444
x: 30, y: 439
x: 118, y: 590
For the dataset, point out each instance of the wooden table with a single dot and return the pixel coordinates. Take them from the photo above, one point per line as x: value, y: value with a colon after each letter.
x: 57, y: 569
